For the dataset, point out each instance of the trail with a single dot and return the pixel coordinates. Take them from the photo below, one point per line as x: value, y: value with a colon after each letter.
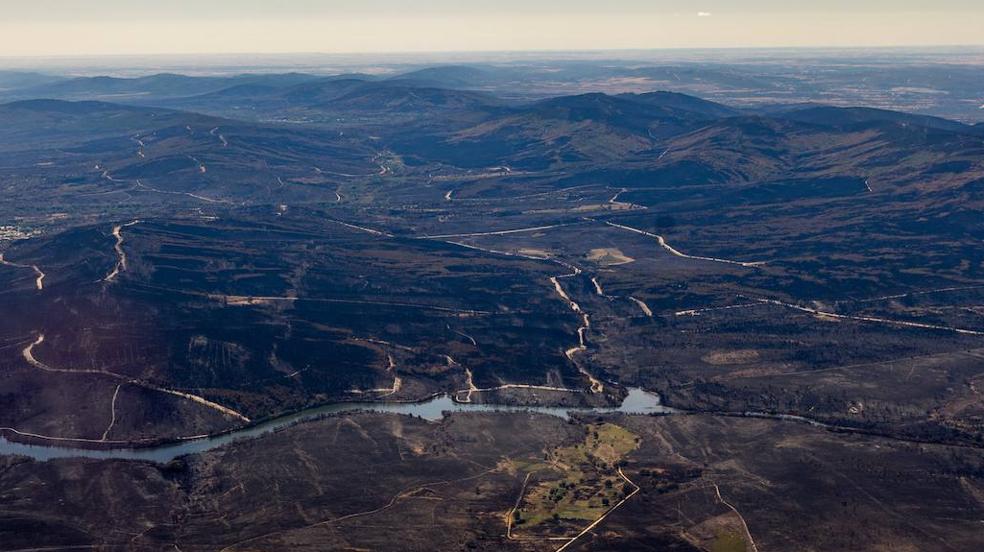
x: 386, y: 391
x: 319, y: 170
x: 28, y: 354
x: 496, y: 251
x: 748, y: 533
x: 189, y: 194
x: 39, y: 279
x: 491, y: 172
x: 890, y: 322
x: 464, y: 335
x: 527, y: 196
x: 495, y: 233
x: 473, y: 389
x: 635, y: 489
x: 112, y: 420
x: 643, y: 306
x: 669, y: 248
x: 599, y: 290
x: 597, y: 286
x: 221, y: 138
x: 614, y: 201
x: 362, y: 228
x: 698, y: 312
x: 512, y: 511
x: 250, y: 300
x: 384, y: 342
x: 916, y: 293
x: 120, y: 254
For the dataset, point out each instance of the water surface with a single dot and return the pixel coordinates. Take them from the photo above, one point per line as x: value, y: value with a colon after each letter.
x: 636, y: 402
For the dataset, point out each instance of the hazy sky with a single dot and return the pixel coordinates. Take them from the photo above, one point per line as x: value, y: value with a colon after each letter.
x: 79, y: 27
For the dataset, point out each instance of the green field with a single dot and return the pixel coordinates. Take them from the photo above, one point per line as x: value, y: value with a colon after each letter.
x: 578, y: 482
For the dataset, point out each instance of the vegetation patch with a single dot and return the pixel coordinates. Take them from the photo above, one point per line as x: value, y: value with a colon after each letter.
x: 729, y: 541
x: 576, y: 483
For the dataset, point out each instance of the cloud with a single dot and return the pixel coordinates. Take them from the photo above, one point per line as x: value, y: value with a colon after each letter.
x: 703, y: 14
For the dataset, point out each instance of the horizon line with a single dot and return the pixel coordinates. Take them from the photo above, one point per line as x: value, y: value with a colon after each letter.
x: 421, y: 53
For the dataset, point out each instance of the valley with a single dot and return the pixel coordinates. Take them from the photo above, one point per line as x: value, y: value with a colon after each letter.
x: 310, y: 312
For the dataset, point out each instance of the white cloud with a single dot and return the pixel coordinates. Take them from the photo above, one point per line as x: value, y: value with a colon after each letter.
x: 703, y: 14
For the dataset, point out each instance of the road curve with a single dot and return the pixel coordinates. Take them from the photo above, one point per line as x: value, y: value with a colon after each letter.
x: 28, y: 354
x: 677, y: 253
x: 39, y: 275
x: 120, y: 254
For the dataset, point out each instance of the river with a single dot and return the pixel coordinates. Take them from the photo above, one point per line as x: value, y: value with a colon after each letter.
x: 636, y: 402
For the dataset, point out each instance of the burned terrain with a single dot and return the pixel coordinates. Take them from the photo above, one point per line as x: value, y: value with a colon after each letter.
x: 803, y: 285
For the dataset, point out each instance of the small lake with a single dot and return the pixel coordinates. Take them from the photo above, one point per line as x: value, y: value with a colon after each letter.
x: 636, y: 402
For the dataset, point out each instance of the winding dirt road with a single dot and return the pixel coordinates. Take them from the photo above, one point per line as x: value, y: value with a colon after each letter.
x: 189, y: 194
x: 466, y: 336
x: 386, y: 391
x: 903, y: 323
x: 677, y: 253
x: 596, y: 385
x: 28, y: 354
x: 39, y: 275
x: 120, y: 254
x: 214, y: 132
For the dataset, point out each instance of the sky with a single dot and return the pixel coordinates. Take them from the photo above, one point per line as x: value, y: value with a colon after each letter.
x: 138, y: 27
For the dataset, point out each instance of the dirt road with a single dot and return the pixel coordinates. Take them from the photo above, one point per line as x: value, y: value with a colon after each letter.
x: 677, y: 253
x: 39, y: 276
